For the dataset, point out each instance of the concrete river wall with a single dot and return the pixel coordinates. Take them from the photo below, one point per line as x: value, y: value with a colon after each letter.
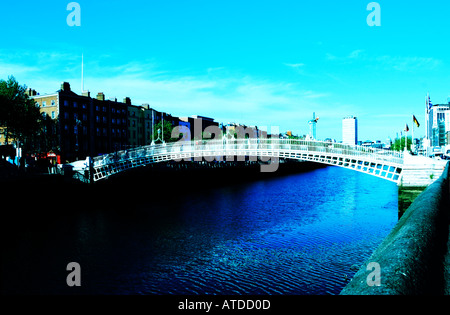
x: 413, y: 259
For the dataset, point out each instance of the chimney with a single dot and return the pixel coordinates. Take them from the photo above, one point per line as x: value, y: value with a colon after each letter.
x: 31, y: 92
x: 101, y: 96
x: 86, y: 93
x: 65, y: 86
x: 127, y: 100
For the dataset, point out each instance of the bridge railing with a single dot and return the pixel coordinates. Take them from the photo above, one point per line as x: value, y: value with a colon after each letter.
x: 249, y: 147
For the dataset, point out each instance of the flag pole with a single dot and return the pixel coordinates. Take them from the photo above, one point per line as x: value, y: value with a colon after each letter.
x: 412, y: 134
x: 406, y: 137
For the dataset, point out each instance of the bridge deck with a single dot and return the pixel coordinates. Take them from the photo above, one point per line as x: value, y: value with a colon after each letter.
x: 384, y: 164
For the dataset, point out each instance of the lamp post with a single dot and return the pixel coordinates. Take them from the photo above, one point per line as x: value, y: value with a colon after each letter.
x: 76, y: 130
x: 159, y: 138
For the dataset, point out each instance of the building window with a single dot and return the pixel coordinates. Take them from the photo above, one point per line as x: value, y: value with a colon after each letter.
x: 53, y: 114
x: 53, y: 102
x: 104, y: 120
x: 98, y: 131
x: 97, y: 119
x: 104, y: 132
x: 97, y: 108
x: 84, y: 106
x: 84, y: 117
x: 75, y: 105
x: 44, y: 103
x: 66, y: 103
x: 66, y: 115
x: 104, y: 109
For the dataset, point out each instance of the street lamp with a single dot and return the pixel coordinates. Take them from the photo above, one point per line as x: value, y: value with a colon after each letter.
x: 159, y: 138
x: 77, y: 124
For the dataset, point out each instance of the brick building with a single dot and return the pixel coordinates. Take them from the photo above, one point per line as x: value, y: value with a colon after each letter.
x: 86, y: 126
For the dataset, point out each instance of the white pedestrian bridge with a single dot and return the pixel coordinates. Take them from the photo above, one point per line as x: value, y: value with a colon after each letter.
x: 381, y: 163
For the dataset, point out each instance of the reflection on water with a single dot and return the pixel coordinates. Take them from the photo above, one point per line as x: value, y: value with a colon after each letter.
x: 299, y: 234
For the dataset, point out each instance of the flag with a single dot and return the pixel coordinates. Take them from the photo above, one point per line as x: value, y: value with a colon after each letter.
x: 416, y: 121
x: 429, y: 103
x: 406, y: 128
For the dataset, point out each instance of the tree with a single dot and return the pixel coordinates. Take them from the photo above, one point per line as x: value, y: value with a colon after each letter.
x: 399, y: 144
x: 47, y: 139
x: 168, y: 127
x: 19, y: 114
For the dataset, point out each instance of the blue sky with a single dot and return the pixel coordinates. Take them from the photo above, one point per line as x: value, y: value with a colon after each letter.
x: 265, y: 63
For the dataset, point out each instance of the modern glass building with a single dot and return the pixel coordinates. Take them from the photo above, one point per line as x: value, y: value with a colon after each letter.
x: 350, y: 130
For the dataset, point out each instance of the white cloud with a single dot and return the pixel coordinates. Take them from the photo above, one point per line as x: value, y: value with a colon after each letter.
x: 217, y: 92
x: 15, y: 69
x: 329, y: 56
x: 387, y: 62
x: 407, y: 64
x: 355, y: 54
x: 295, y: 65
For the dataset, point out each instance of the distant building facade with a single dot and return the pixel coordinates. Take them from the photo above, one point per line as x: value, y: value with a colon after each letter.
x: 198, y: 124
x: 82, y: 126
x: 437, y: 124
x: 86, y: 126
x: 350, y: 130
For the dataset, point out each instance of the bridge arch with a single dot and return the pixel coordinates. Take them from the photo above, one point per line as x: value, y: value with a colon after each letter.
x: 380, y: 163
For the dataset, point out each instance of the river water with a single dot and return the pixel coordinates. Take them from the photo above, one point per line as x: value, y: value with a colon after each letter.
x: 305, y: 233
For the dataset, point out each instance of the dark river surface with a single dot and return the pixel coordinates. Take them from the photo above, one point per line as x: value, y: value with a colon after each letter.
x: 300, y: 234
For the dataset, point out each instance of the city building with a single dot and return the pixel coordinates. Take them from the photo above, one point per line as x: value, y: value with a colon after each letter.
x: 437, y: 119
x: 77, y: 126
x: 350, y: 130
x: 198, y: 124
x: 88, y: 126
x: 240, y: 131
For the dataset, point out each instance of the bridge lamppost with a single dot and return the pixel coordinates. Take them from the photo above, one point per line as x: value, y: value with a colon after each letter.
x: 162, y: 139
x: 78, y: 123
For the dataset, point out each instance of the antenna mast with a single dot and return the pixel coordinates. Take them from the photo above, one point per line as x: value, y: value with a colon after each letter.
x: 82, y: 77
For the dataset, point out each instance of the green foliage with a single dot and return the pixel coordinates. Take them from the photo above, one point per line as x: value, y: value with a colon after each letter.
x: 19, y: 114
x: 399, y: 144
x: 168, y: 127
